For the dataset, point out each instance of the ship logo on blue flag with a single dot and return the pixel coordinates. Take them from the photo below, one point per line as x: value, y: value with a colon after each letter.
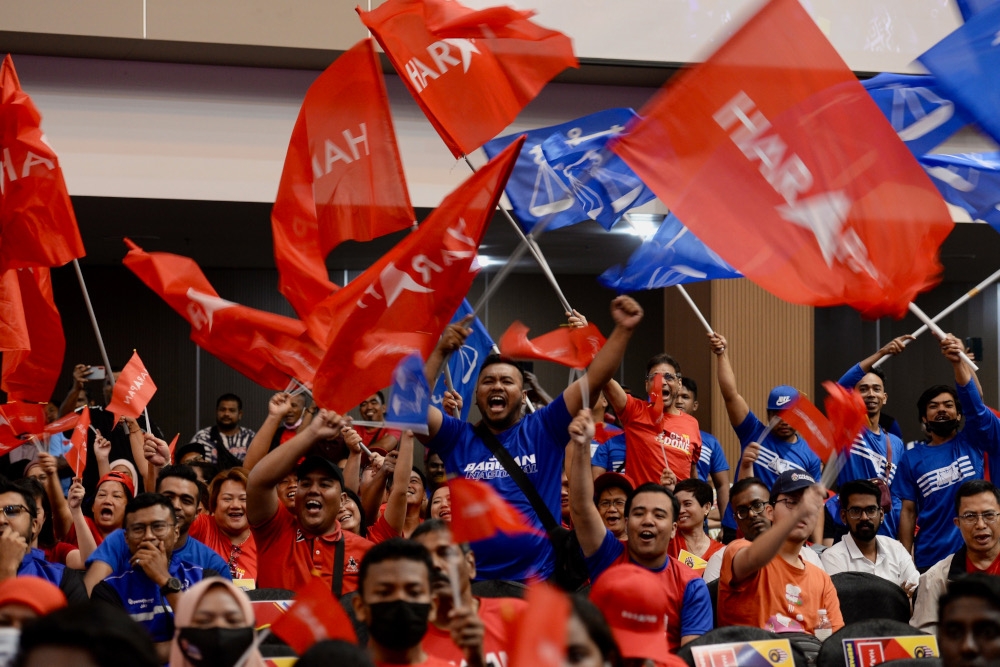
x: 917, y: 108
x: 464, y: 363
x: 970, y: 181
x: 410, y: 397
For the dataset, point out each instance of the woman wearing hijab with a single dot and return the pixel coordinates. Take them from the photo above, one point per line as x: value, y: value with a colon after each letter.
x: 213, y: 627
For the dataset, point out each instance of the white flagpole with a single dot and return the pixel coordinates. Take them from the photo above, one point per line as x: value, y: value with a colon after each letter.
x: 93, y: 321
x: 694, y: 307
x: 922, y: 316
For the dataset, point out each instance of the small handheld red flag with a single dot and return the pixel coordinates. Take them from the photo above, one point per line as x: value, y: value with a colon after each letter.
x: 575, y: 347
x: 827, y: 437
x: 64, y: 423
x: 173, y: 446
x: 478, y: 512
x: 132, y: 391
x: 539, y: 636
x: 657, y: 396
x: 77, y: 454
x: 314, y: 616
x: 847, y: 413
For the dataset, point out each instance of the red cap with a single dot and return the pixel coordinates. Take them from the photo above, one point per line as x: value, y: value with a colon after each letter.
x: 634, y: 603
x: 35, y: 593
x: 115, y: 476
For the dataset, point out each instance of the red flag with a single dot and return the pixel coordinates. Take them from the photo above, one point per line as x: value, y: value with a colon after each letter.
x: 575, y: 347
x: 539, y: 637
x: 846, y: 411
x: 470, y: 89
x: 478, y: 512
x: 64, y: 423
x: 775, y: 156
x: 267, y: 348
x: 403, y: 302
x: 314, y: 616
x: 657, y: 397
x: 827, y: 436
x: 37, y: 224
x: 77, y: 454
x: 31, y: 375
x: 133, y: 390
x: 173, y: 446
x: 13, y: 327
x: 342, y: 179
x: 23, y: 418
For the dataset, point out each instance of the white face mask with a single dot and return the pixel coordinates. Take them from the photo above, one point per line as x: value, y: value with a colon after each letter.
x: 9, y: 640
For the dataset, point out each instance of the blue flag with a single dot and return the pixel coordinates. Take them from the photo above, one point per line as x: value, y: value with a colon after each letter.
x: 536, y: 192
x: 671, y: 257
x: 917, y: 108
x: 966, y: 64
x: 410, y: 398
x: 970, y: 181
x: 464, y: 364
x: 969, y: 8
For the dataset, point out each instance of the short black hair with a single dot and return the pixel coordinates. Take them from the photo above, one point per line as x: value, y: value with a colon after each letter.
x: 662, y: 358
x: 702, y: 491
x: 653, y: 487
x: 742, y: 485
x: 973, y: 488
x: 7, y: 486
x: 438, y: 526
x: 495, y: 358
x: 361, y: 510
x: 875, y: 370
x: 180, y: 470
x: 396, y: 548
x: 144, y: 500
x: 229, y: 397
x: 983, y: 586
x: 929, y: 395
x: 858, y: 487
x: 690, y: 385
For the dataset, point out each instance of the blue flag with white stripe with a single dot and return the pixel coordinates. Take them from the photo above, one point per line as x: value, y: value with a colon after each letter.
x: 672, y: 256
x: 464, y: 363
x: 917, y: 108
x: 538, y: 193
x: 970, y: 181
x: 411, y: 396
x: 970, y: 8
x: 966, y: 65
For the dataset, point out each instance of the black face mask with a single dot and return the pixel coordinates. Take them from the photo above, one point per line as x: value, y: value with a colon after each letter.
x: 214, y: 647
x: 399, y: 624
x: 941, y: 429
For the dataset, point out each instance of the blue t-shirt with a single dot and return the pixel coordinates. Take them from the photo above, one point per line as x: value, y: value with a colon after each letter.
x: 775, y: 457
x: 69, y: 581
x: 713, y: 459
x: 114, y: 551
x: 850, y: 380
x: 537, y: 443
x: 610, y: 455
x: 930, y: 476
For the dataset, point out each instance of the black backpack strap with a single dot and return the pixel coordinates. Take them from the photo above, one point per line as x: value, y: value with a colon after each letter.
x: 520, y: 478
x: 338, y: 568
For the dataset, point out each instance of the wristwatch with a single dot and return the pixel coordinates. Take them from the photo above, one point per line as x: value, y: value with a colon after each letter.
x: 172, y: 586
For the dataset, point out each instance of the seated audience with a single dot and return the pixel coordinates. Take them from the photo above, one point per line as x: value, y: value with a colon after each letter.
x: 226, y: 442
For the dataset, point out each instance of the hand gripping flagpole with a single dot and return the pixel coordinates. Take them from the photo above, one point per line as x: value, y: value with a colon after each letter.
x: 532, y: 247
x: 947, y: 311
x: 93, y: 318
x: 937, y: 331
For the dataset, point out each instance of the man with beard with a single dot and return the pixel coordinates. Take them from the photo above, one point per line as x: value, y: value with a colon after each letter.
x: 930, y: 473
x: 227, y: 439
x: 783, y: 449
x: 862, y: 549
x: 977, y: 512
x: 537, y: 442
x: 395, y: 603
x: 292, y: 547
x: 472, y: 628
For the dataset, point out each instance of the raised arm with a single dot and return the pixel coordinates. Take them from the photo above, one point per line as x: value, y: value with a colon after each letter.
x: 352, y: 469
x: 892, y: 348
x: 451, y: 340
x: 262, y: 500
x: 61, y: 517
x: 102, y: 452
x: 951, y: 348
x: 277, y: 408
x: 84, y: 538
x: 156, y: 454
x: 627, y: 314
x: 136, y: 441
x: 80, y: 373
x: 736, y: 405
x: 395, y: 506
x: 587, y: 523
x: 907, y: 524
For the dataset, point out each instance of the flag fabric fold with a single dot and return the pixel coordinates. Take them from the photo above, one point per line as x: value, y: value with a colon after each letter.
x: 464, y: 363
x: 32, y: 374
x: 13, y: 327
x: 574, y: 347
x: 538, y: 637
x: 673, y: 256
x: 314, y: 616
x: 970, y: 8
x: 76, y: 456
x: 267, y: 348
x: 917, y: 108
x: 403, y: 302
x: 832, y: 434
x: 471, y: 86
x: 536, y: 191
x: 342, y: 178
x: 133, y: 390
x: 970, y: 181
x: 410, y: 398
x: 479, y: 513
x: 774, y: 155
x: 37, y: 223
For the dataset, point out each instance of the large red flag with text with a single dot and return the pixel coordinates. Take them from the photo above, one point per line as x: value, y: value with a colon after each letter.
x: 343, y: 178
x: 470, y: 71
x: 402, y: 303
x: 13, y: 327
x: 37, y: 223
x: 776, y: 157
x: 133, y: 390
x: 574, y: 347
x: 267, y: 348
x: 32, y: 374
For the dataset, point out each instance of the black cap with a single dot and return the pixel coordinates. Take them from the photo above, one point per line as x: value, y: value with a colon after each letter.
x: 314, y: 461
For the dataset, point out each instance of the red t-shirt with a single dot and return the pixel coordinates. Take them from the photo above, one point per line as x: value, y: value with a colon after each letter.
x: 677, y: 542
x: 994, y: 567
x: 207, y: 531
x: 380, y: 531
x: 679, y: 436
x: 496, y: 614
x: 369, y: 438
x: 288, y: 557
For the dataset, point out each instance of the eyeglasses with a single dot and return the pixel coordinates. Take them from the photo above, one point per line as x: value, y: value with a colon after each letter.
x: 971, y: 518
x: 14, y: 511
x: 159, y: 528
x: 870, y: 511
x: 790, y: 503
x: 667, y: 377
x: 608, y: 504
x: 754, y: 508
